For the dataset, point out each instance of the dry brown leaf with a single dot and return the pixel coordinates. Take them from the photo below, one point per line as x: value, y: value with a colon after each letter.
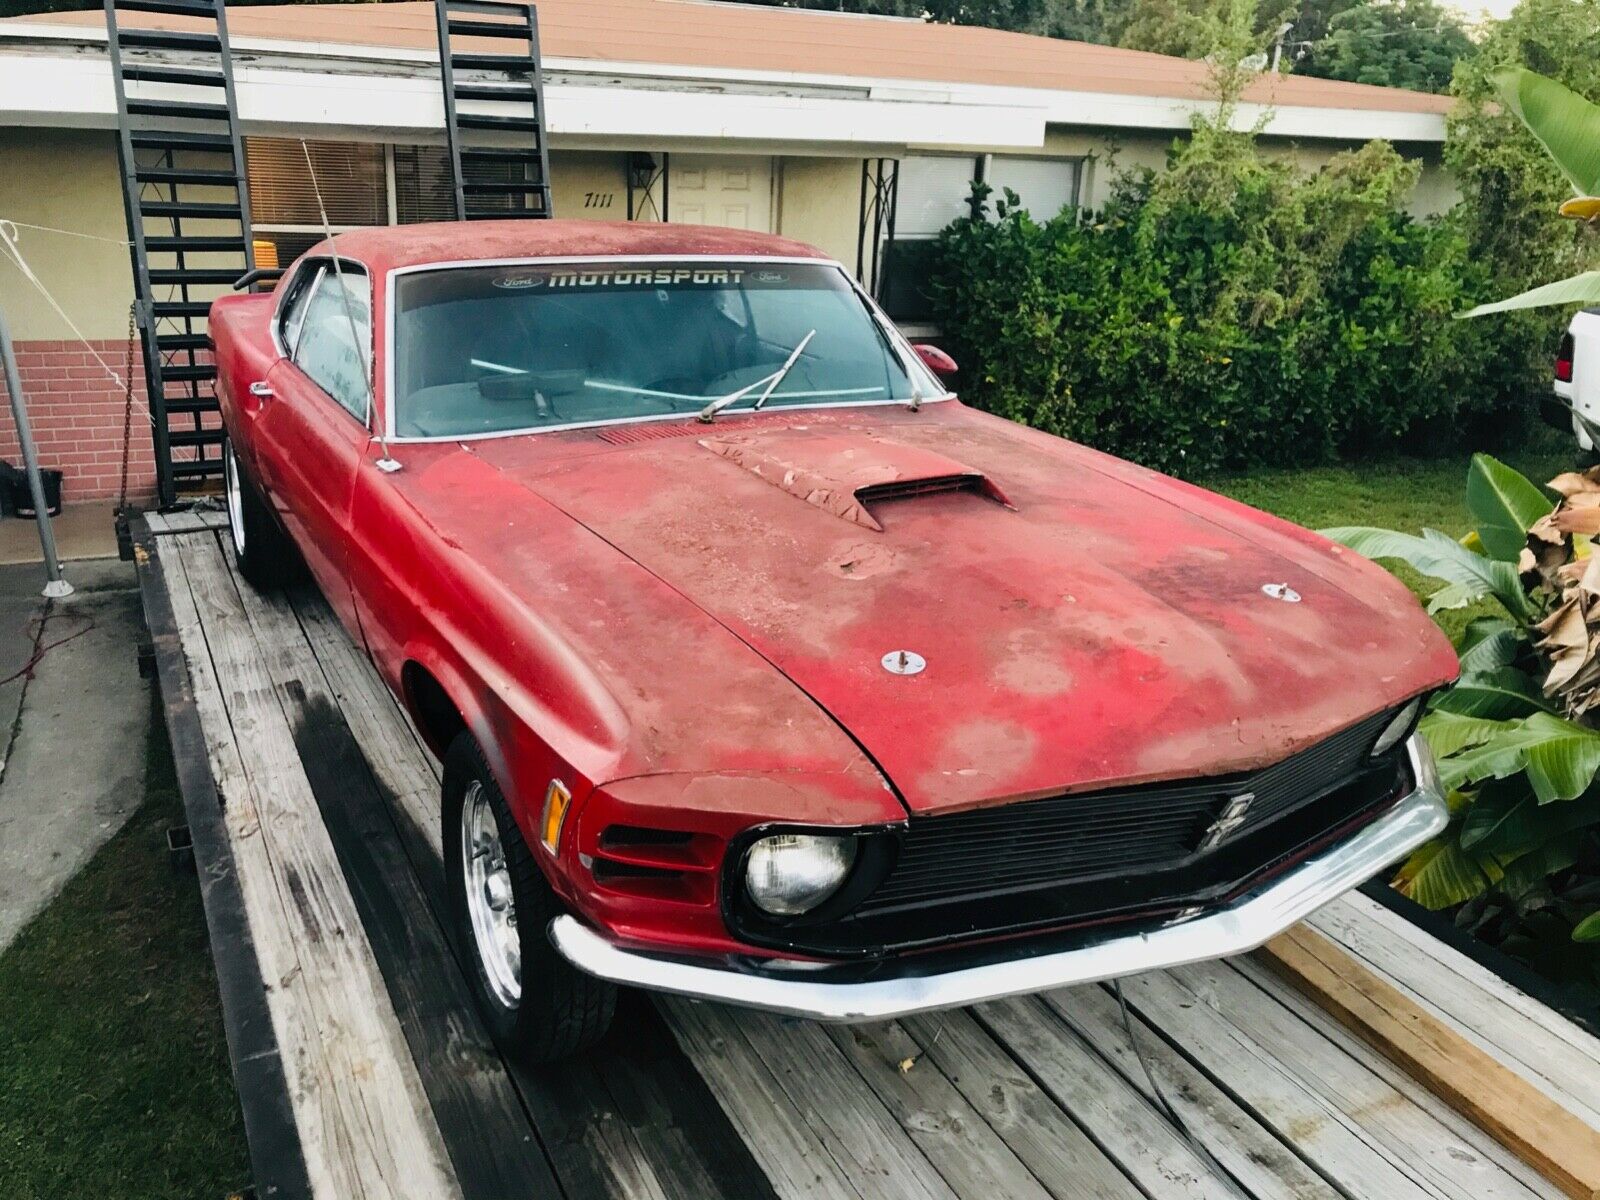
x: 1571, y: 483
x: 1584, y: 520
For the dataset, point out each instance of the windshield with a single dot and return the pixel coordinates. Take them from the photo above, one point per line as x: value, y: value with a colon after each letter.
x: 493, y: 349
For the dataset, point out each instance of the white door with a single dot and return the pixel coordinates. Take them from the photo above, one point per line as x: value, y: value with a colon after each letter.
x: 719, y: 189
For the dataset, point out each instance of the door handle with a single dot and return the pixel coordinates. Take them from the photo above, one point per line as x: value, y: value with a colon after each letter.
x: 262, y: 390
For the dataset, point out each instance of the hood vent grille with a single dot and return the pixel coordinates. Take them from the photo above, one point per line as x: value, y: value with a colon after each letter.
x: 905, y: 489
x: 909, y: 489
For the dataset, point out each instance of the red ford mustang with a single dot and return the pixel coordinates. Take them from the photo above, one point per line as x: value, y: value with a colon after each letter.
x: 765, y: 671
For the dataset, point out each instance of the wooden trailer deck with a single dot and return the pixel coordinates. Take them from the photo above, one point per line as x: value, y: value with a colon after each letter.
x: 364, y: 1072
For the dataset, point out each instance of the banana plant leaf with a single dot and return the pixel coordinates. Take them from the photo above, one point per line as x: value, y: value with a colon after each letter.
x: 1563, y: 762
x: 1493, y: 650
x: 1579, y: 289
x: 1450, y: 733
x: 1506, y: 819
x: 1439, y: 556
x: 1566, y: 124
x: 1441, y: 874
x: 1527, y: 871
x: 1503, y: 504
x: 1588, y: 929
x: 1560, y: 757
x: 1499, y: 694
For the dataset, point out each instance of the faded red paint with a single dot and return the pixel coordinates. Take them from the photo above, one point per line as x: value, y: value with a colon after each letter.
x: 688, y: 630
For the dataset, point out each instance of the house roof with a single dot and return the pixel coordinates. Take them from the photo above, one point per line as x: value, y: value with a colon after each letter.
x: 715, y: 35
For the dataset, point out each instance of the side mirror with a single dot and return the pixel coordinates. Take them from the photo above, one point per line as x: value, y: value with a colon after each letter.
x: 937, y: 361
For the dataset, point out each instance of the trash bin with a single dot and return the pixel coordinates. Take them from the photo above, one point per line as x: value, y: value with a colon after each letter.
x: 16, y: 500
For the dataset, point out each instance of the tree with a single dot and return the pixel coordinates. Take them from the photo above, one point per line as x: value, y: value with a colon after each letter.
x: 1100, y: 21
x: 1509, y: 186
x: 1024, y: 16
x: 1393, y: 43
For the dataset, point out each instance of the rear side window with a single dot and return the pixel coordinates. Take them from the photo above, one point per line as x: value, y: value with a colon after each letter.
x: 335, y: 338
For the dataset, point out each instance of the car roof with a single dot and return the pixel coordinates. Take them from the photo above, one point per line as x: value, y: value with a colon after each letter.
x: 389, y: 247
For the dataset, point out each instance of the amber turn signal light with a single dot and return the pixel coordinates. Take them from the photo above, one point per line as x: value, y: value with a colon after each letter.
x: 556, y: 801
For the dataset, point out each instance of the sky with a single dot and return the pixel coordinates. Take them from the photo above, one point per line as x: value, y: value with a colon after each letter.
x: 1472, y: 9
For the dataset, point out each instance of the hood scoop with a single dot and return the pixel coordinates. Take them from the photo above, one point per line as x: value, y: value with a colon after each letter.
x: 842, y: 471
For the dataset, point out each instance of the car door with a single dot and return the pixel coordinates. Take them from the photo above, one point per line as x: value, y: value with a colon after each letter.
x: 315, y: 427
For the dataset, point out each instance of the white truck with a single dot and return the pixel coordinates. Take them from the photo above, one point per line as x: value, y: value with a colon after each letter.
x: 1577, y: 384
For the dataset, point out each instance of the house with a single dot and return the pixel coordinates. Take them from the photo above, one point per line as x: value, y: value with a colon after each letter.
x: 859, y: 134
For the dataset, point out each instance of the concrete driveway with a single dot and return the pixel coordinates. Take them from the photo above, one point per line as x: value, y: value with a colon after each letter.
x: 72, y: 731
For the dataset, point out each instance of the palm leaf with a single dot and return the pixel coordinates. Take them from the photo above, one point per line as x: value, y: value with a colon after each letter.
x: 1440, y: 557
x: 1566, y: 124
x: 1579, y: 289
x: 1503, y: 505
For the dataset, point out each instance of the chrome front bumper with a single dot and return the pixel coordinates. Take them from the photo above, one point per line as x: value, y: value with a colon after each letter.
x: 899, y: 987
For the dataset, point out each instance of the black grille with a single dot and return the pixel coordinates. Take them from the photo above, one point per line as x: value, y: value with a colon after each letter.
x: 1103, y: 855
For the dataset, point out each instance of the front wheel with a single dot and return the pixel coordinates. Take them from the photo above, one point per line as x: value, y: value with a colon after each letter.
x: 260, y: 548
x: 538, y: 1006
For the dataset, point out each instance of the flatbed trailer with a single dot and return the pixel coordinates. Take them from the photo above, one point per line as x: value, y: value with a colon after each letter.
x: 364, y: 1071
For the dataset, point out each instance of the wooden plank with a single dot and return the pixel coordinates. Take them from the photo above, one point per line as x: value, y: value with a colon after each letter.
x: 1044, y: 1136
x: 406, y: 770
x: 188, y: 521
x: 1468, y: 1137
x: 764, y: 1065
x: 1147, y: 1148
x: 479, y: 1113
x: 278, y: 1167
x: 1544, y: 1134
x: 1247, y: 1150
x: 801, y: 1165
x: 1340, y: 1114
x: 364, y: 1125
x: 973, y: 1159
x: 1552, y: 1053
x: 632, y: 1113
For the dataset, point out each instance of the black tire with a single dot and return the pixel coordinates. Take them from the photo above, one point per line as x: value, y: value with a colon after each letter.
x: 261, y: 550
x: 560, y: 1010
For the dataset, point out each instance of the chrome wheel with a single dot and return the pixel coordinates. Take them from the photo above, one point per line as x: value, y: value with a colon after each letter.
x: 234, y: 490
x: 490, y: 905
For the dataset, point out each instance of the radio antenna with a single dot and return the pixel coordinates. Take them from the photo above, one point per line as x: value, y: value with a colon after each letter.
x: 386, y: 464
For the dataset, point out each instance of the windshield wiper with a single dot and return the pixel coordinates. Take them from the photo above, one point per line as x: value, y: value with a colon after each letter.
x: 710, y: 411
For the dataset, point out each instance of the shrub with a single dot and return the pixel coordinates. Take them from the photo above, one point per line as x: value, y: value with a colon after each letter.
x: 1516, y: 736
x: 1227, y: 312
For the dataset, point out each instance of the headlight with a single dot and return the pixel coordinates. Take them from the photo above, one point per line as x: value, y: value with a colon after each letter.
x: 1396, y: 729
x: 791, y: 873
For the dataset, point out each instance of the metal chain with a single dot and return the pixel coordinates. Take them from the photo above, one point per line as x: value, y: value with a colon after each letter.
x: 127, y: 410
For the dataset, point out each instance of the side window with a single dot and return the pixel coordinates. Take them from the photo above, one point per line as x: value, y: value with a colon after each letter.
x: 292, y: 313
x: 334, y: 346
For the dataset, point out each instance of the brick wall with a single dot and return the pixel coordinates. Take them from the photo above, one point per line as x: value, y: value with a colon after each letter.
x: 76, y: 411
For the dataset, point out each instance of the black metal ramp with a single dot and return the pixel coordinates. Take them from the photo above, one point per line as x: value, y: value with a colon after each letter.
x: 494, y: 108
x: 188, y: 214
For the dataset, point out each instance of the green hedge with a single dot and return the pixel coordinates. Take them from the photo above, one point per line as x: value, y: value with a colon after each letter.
x: 1230, y: 311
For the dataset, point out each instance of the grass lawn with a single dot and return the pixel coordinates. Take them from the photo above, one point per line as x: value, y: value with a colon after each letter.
x: 1405, y: 494
x: 1408, y: 495
x: 115, y: 1071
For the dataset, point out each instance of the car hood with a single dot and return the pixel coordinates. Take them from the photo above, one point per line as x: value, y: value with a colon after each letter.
x: 1080, y: 622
